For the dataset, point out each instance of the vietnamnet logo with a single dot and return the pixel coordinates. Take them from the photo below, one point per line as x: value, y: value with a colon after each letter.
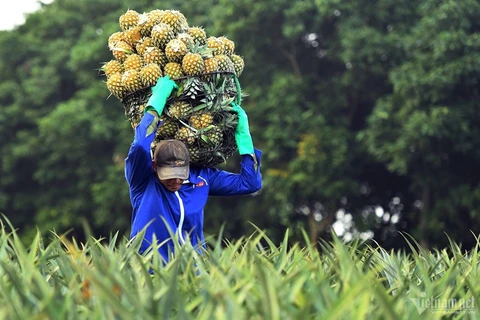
x: 446, y: 306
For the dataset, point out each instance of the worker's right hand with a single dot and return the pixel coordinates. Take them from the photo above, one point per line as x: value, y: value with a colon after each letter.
x: 160, y: 93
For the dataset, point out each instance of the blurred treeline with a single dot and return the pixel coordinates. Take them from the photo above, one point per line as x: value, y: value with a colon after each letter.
x: 367, y: 113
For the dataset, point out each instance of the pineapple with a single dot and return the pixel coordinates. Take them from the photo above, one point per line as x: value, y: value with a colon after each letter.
x: 213, y: 136
x: 176, y: 20
x: 143, y: 44
x: 186, y: 135
x: 146, y: 22
x: 216, y: 45
x: 115, y: 85
x: 229, y: 46
x: 224, y: 63
x: 175, y: 50
x: 198, y: 34
x: 114, y: 38
x: 155, y: 55
x: 150, y: 74
x: 185, y: 38
x: 133, y: 62
x: 121, y: 50
x: 201, y: 121
x: 179, y: 109
x: 161, y: 34
x: 132, y: 36
x: 111, y: 67
x: 210, y: 65
x: 193, y: 62
x: 131, y: 80
x: 173, y: 70
x: 195, y: 153
x: 238, y: 64
x: 168, y: 127
x: 129, y: 19
x: 156, y: 15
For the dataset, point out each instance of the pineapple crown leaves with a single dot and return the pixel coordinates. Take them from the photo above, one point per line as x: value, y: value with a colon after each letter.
x: 202, y: 50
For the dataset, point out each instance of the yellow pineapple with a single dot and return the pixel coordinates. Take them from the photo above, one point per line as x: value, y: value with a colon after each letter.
x: 186, y: 135
x: 143, y: 44
x: 129, y: 19
x: 132, y: 36
x: 238, y: 64
x: 111, y: 67
x: 224, y: 63
x: 133, y: 62
x: 200, y: 121
x: 114, y: 39
x: 179, y: 109
x: 198, y: 35
x: 155, y: 55
x: 185, y: 38
x: 176, y: 20
x: 173, y: 70
x: 161, y: 34
x: 115, y: 85
x: 168, y: 127
x: 216, y: 45
x: 228, y: 45
x: 131, y: 80
x: 210, y: 65
x: 175, y: 50
x: 121, y: 50
x: 150, y: 74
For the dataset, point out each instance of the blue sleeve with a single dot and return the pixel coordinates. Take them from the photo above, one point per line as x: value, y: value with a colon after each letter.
x: 138, y: 165
x: 249, y: 180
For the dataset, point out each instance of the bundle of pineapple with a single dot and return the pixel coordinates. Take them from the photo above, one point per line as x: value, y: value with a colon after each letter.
x: 205, y: 68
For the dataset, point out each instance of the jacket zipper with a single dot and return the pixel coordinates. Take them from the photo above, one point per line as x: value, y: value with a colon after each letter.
x: 182, y: 217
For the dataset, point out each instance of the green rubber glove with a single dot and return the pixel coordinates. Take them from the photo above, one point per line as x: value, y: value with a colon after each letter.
x: 160, y: 93
x: 242, y: 132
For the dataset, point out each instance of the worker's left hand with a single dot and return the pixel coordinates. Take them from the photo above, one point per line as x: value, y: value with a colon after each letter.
x: 242, y: 131
x: 160, y: 93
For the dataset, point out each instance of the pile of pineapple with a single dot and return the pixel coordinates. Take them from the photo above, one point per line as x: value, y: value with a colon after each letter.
x: 205, y: 67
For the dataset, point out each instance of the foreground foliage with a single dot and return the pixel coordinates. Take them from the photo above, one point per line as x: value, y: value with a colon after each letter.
x: 251, y: 278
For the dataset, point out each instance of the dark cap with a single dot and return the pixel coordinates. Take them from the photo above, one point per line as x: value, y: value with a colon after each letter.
x: 172, y: 160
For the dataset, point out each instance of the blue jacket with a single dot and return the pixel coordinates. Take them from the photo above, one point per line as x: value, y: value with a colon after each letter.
x: 157, y: 209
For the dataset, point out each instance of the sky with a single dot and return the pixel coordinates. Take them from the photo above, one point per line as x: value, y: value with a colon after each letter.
x: 15, y: 13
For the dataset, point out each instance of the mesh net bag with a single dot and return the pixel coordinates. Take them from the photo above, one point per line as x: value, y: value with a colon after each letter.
x: 199, y: 113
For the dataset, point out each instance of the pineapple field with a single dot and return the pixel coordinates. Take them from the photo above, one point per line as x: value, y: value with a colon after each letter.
x: 205, y: 67
x: 250, y: 278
